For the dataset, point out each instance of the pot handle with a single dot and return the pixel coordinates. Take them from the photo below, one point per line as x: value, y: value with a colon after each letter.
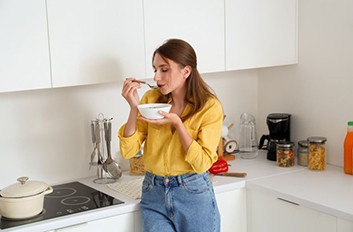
x: 49, y: 190
x: 22, y: 179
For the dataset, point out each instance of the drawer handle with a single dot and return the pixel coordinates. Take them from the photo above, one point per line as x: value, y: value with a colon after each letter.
x: 291, y: 202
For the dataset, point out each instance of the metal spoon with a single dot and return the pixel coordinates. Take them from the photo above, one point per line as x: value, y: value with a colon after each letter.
x: 149, y: 85
x: 109, y: 165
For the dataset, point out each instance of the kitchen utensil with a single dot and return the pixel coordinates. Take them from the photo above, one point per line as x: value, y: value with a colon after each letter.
x: 151, y: 111
x: 247, y: 136
x: 233, y: 174
x: 98, y: 142
x: 24, y: 199
x: 93, y: 135
x: 149, y: 85
x: 99, y: 154
x: 109, y: 165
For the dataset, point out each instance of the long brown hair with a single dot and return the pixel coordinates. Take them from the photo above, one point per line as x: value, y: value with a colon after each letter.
x: 198, y: 91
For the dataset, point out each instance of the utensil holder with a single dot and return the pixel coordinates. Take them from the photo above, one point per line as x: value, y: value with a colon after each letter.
x: 99, y: 152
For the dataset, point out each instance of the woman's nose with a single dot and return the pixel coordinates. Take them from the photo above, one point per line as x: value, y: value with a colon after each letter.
x: 156, y: 77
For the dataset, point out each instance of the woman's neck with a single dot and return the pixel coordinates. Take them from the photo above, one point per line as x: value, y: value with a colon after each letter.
x: 178, y: 102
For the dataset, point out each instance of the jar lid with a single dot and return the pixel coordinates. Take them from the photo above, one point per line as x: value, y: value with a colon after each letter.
x: 24, y: 188
x: 316, y: 139
x: 303, y: 143
x: 350, y: 123
x: 285, y: 144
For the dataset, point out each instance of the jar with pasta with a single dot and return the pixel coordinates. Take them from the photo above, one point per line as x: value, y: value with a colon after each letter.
x: 285, y: 154
x: 317, y: 153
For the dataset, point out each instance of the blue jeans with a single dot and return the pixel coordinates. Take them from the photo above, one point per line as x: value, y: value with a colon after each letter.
x: 183, y: 203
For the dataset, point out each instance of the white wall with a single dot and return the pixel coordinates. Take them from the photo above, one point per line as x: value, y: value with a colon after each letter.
x: 45, y: 134
x: 318, y: 92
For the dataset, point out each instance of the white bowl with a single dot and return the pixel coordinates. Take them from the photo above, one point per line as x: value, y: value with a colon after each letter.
x: 151, y: 111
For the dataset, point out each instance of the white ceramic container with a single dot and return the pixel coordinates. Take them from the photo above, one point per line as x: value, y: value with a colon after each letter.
x: 151, y: 111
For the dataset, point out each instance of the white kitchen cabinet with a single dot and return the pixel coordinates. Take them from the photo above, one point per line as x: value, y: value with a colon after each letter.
x: 344, y: 225
x: 232, y: 206
x: 267, y: 213
x: 24, y: 56
x: 120, y: 223
x: 95, y: 41
x: 199, y: 22
x: 260, y: 33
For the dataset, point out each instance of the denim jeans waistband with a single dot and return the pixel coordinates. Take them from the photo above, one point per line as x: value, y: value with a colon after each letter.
x: 162, y: 180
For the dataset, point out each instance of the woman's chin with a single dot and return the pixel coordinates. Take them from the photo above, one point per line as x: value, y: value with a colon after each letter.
x: 163, y: 91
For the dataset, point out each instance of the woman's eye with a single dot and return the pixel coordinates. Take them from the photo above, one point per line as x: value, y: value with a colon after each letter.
x: 164, y: 70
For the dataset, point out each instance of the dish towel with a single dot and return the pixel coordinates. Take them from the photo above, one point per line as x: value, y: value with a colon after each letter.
x: 130, y: 188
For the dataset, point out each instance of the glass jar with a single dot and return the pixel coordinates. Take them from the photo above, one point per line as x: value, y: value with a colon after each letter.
x: 303, y: 153
x: 285, y: 154
x: 317, y: 153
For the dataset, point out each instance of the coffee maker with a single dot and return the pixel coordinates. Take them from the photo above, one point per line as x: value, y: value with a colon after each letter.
x: 279, y: 128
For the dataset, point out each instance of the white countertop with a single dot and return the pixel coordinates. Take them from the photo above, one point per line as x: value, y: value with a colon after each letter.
x: 255, y: 168
x: 328, y: 191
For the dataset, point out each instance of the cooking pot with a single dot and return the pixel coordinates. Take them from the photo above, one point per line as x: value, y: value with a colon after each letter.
x: 24, y: 199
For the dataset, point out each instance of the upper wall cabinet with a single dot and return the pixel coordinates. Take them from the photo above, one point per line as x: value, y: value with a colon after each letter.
x: 199, y: 22
x: 24, y: 54
x: 95, y: 41
x: 260, y: 33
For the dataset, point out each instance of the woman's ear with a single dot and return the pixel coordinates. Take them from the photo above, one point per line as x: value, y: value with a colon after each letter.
x: 187, y: 71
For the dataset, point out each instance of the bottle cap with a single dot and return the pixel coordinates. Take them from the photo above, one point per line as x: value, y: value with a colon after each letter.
x: 350, y: 123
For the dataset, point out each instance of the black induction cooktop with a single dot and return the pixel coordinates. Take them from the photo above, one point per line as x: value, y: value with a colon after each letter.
x: 69, y: 198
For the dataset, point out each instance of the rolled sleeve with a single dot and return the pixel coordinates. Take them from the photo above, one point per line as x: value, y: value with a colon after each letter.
x: 129, y: 146
x: 202, y: 152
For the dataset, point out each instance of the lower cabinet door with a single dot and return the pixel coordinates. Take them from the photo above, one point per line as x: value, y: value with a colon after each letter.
x: 120, y: 223
x: 266, y: 213
x: 232, y: 207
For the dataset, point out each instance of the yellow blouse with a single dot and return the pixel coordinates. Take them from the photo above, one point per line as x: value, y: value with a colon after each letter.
x: 163, y: 153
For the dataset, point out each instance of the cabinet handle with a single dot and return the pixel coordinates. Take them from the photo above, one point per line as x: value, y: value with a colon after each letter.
x: 77, y: 227
x: 288, y: 201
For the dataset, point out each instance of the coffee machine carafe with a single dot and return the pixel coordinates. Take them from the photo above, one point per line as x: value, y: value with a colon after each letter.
x: 279, y: 128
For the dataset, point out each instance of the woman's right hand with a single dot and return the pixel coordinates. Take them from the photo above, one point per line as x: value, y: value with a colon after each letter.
x: 129, y: 91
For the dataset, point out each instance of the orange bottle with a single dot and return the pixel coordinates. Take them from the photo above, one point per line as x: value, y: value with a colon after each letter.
x: 348, y: 150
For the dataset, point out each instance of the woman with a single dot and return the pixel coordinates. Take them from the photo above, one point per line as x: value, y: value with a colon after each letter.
x: 177, y: 194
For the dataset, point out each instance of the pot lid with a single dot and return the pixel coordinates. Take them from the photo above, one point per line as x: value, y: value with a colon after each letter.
x: 24, y: 188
